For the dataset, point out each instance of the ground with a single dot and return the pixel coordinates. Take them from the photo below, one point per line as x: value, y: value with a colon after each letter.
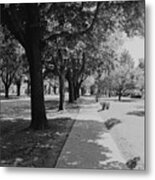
x: 129, y: 133
x: 79, y: 136
x: 26, y: 148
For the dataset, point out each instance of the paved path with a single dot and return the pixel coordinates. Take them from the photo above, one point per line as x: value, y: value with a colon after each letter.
x: 89, y: 145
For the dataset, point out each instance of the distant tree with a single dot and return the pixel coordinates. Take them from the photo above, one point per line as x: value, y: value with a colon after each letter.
x: 56, y: 63
x: 123, y: 75
x: 75, y: 72
x: 89, y: 83
x: 70, y: 22
x: 66, y: 63
x: 101, y: 63
x: 9, y: 59
x: 22, y: 70
x: 139, y: 76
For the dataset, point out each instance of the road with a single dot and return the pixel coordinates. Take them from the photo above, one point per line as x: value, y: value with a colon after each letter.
x: 129, y: 135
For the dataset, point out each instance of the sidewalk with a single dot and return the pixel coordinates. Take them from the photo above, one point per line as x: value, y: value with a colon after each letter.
x: 89, y: 145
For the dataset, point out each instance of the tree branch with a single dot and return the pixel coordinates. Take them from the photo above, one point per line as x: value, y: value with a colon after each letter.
x: 83, y: 65
x: 75, y: 34
x: 12, y: 22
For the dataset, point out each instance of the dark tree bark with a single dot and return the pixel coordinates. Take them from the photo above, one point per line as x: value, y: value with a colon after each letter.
x: 7, y: 84
x: 78, y: 89
x: 7, y: 91
x: 18, y: 86
x: 82, y: 91
x: 119, y: 96
x: 71, y: 91
x: 109, y: 93
x: 75, y: 91
x: 33, y: 51
x: 61, y: 91
x: 29, y: 36
x: 49, y: 89
x: 39, y: 120
x: 97, y: 94
x: 55, y: 90
x: 97, y: 97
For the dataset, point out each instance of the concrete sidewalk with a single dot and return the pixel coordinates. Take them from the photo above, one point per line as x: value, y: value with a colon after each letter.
x: 89, y: 145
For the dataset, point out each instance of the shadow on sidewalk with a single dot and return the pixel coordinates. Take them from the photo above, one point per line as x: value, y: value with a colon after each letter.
x: 86, y: 149
x: 137, y: 113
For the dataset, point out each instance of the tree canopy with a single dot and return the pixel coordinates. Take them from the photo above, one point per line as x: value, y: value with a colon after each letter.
x: 71, y: 40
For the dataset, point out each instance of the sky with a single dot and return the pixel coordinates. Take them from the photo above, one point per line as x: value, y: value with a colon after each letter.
x: 119, y: 42
x: 135, y: 46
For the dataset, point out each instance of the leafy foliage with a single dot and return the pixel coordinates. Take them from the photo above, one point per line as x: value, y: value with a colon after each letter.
x: 10, y: 58
x: 123, y: 75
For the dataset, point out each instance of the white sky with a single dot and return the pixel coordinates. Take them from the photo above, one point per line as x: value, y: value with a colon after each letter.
x: 136, y: 47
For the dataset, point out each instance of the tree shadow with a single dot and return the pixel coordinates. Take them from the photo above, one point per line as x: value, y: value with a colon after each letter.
x: 87, y: 149
x: 128, y: 100
x: 110, y: 123
x: 12, y: 97
x: 136, y: 113
x: 21, y: 109
x: 140, y: 107
x: 122, y: 100
x: 51, y: 104
x: 22, y: 147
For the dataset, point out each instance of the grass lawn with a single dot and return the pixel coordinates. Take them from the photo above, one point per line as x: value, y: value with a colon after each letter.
x: 22, y: 147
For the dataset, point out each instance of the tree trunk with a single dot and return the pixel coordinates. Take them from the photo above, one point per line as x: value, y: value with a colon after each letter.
x: 61, y: 91
x: 18, y: 85
x: 71, y: 91
x: 92, y: 90
x: 96, y: 98
x: 78, y: 90
x: 6, y: 91
x: 109, y: 93
x: 28, y: 88
x: 82, y: 91
x: 55, y: 90
x: 75, y: 92
x: 119, y: 96
x: 33, y: 51
x: 39, y: 120
x: 49, y: 89
x: 97, y: 95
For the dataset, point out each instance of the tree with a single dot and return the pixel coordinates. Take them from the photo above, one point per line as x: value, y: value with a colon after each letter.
x: 22, y: 69
x: 113, y: 17
x: 139, y: 76
x: 23, y: 21
x: 66, y: 64
x: 56, y: 63
x: 101, y: 62
x: 35, y: 24
x: 75, y: 72
x: 70, y: 21
x: 9, y: 61
x: 123, y: 75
